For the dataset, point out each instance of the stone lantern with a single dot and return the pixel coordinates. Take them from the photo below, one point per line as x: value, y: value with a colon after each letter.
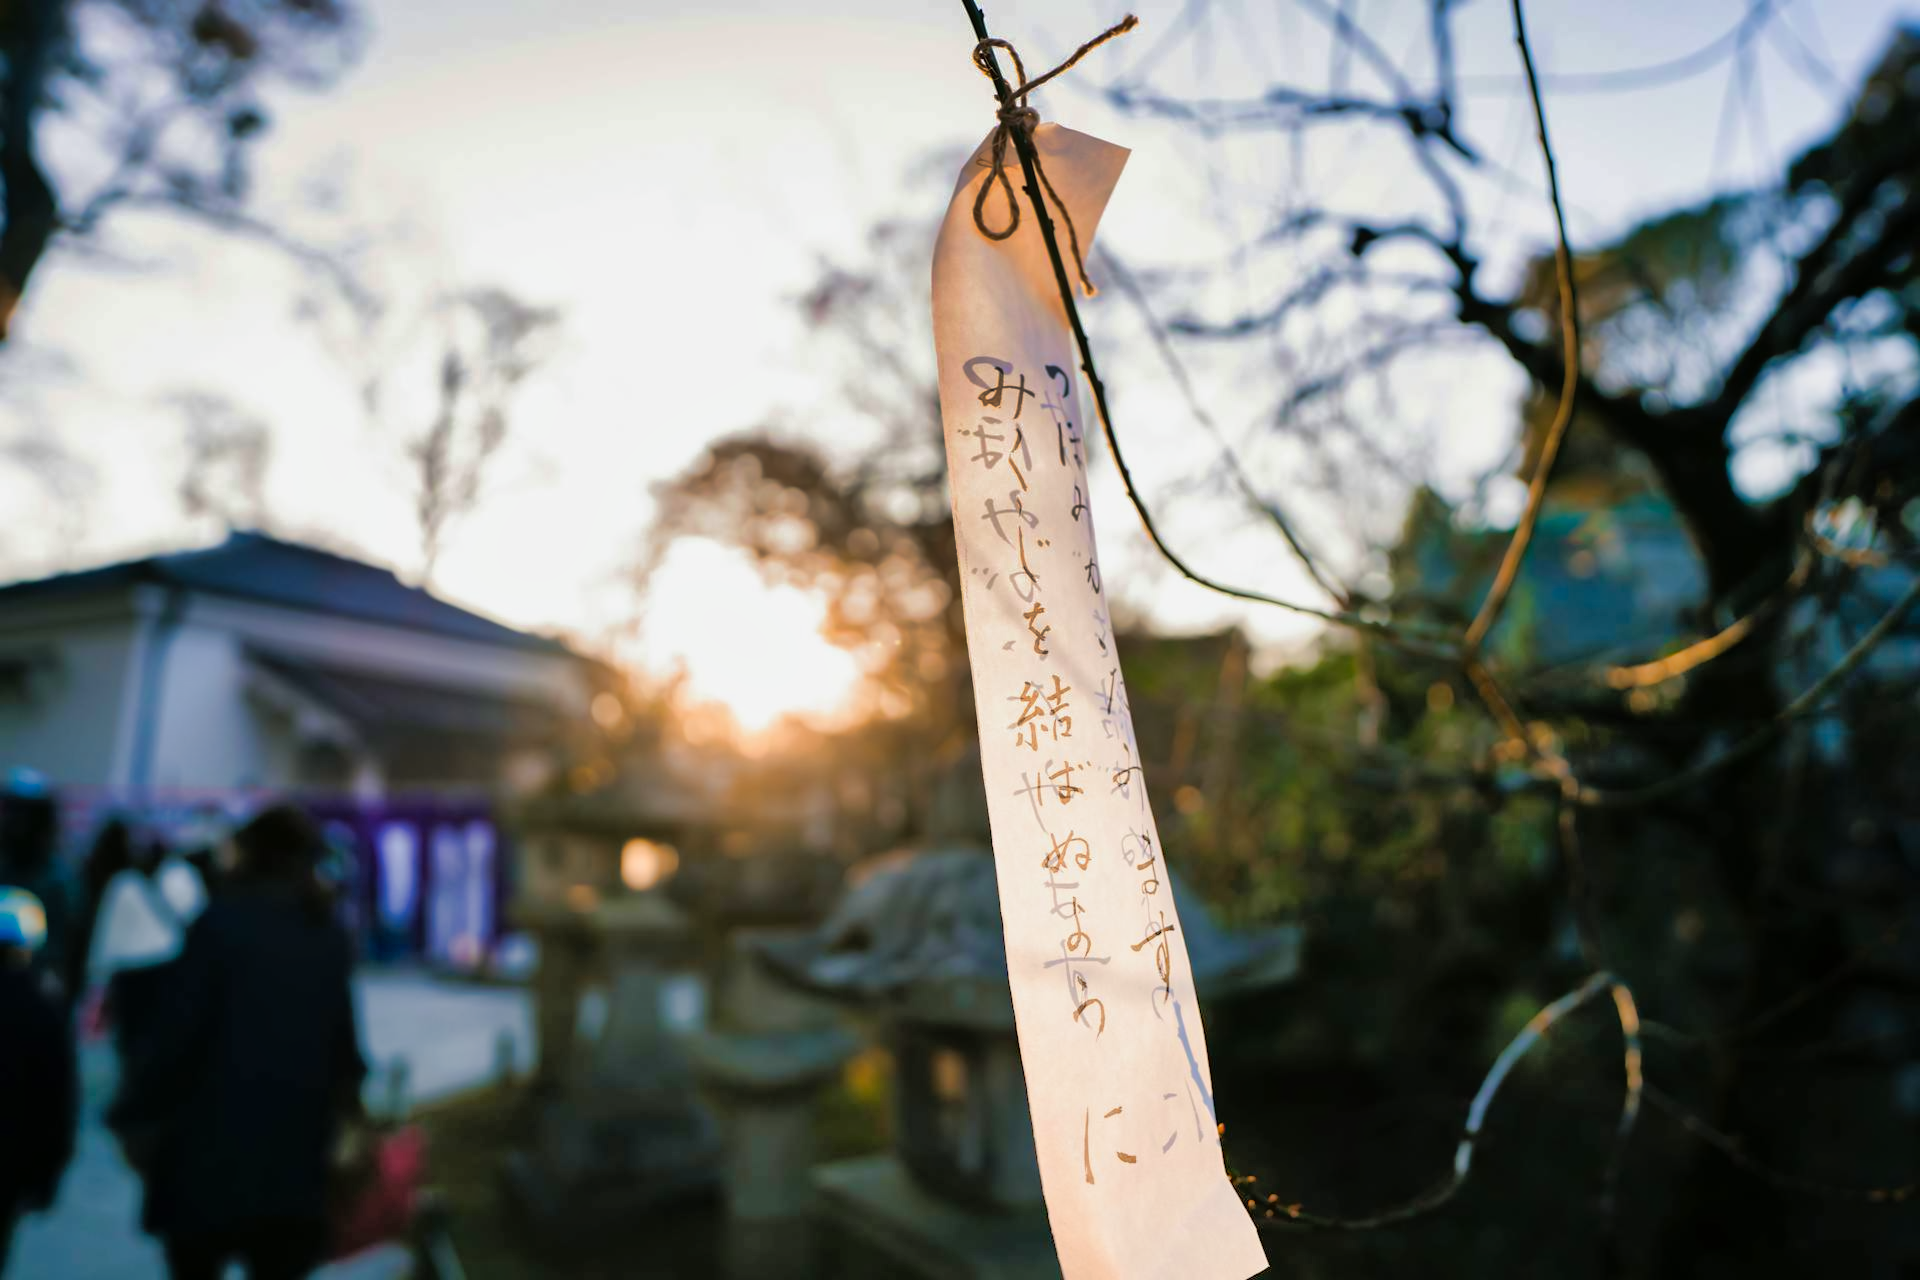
x: 575, y: 853
x: 768, y: 1051
x: 917, y: 944
x: 620, y: 1129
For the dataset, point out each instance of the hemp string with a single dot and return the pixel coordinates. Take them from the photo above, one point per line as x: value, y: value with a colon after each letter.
x: 1016, y: 114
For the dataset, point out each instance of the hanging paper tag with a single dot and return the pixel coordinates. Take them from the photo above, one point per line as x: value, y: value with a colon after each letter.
x: 1103, y: 997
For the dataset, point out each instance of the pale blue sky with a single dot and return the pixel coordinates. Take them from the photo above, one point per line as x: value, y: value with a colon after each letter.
x: 669, y: 175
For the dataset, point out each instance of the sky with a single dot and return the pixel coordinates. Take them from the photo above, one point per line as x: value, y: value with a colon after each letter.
x: 669, y: 177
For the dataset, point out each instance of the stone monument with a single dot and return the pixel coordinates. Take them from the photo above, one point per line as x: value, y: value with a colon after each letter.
x: 620, y: 1129
x: 767, y: 1053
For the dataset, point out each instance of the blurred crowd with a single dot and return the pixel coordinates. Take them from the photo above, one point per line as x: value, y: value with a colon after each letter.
x: 216, y: 969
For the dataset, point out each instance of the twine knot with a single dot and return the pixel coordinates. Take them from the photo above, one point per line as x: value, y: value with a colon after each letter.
x: 1018, y: 117
x: 1017, y: 123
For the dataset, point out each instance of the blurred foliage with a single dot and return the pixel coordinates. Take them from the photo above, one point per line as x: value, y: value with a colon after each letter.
x: 855, y: 1116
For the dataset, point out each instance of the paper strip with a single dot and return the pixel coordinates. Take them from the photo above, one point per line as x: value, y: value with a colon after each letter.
x: 1103, y: 997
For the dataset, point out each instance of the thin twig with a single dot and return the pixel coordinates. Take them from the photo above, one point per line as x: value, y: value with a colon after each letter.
x: 1521, y: 741
x: 1281, y: 1216
x: 1852, y: 557
x: 1178, y: 371
x: 1809, y: 701
x: 1703, y: 651
x: 1730, y: 1147
x: 1792, y: 1004
x: 1678, y: 664
x: 1570, y: 385
x: 1629, y: 1014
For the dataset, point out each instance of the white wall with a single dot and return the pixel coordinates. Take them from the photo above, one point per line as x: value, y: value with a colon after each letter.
x: 210, y: 734
x: 72, y: 729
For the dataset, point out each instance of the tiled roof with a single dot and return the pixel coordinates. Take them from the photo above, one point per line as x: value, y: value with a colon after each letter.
x: 253, y: 566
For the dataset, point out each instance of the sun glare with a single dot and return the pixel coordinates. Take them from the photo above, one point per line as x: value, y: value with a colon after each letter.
x: 755, y: 649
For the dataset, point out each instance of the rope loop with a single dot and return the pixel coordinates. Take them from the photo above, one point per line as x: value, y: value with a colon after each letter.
x: 1016, y: 117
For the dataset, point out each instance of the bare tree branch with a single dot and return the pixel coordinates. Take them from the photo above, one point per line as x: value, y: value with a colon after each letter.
x: 1730, y: 1148
x: 1276, y: 1215
x: 1516, y: 554
x: 1822, y: 281
x: 1808, y: 702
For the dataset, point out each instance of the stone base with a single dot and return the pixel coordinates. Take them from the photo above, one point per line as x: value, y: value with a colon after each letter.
x: 877, y: 1221
x: 595, y: 1167
x: 563, y: 1216
x: 764, y: 1249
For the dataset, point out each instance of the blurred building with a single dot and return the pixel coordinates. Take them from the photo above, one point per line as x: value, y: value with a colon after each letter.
x: 1609, y: 578
x: 203, y: 681
x: 266, y: 664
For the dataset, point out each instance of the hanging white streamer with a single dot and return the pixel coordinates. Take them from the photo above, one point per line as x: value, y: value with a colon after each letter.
x: 1110, y: 1038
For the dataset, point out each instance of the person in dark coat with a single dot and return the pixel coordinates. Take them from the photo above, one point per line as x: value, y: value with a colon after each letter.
x: 29, y: 859
x: 39, y: 1079
x: 232, y: 1106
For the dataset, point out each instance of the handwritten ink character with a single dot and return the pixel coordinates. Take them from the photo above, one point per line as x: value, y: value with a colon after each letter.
x: 1028, y: 721
x: 1113, y: 695
x: 1057, y: 704
x: 1127, y: 1157
x: 993, y: 395
x: 1035, y: 787
x: 1086, y: 1146
x: 1019, y: 446
x: 1039, y: 633
x: 1036, y: 717
x: 1026, y: 573
x: 1162, y: 957
x: 975, y: 371
x: 988, y: 455
x: 1014, y: 509
x: 1079, y: 941
x: 1079, y: 990
x: 1136, y: 850
x: 1064, y: 432
x: 1075, y: 847
x: 1056, y: 887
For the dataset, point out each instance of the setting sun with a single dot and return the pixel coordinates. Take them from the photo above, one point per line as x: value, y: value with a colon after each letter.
x: 755, y: 649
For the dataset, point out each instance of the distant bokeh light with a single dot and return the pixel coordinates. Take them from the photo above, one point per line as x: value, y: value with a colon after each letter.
x: 645, y: 863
